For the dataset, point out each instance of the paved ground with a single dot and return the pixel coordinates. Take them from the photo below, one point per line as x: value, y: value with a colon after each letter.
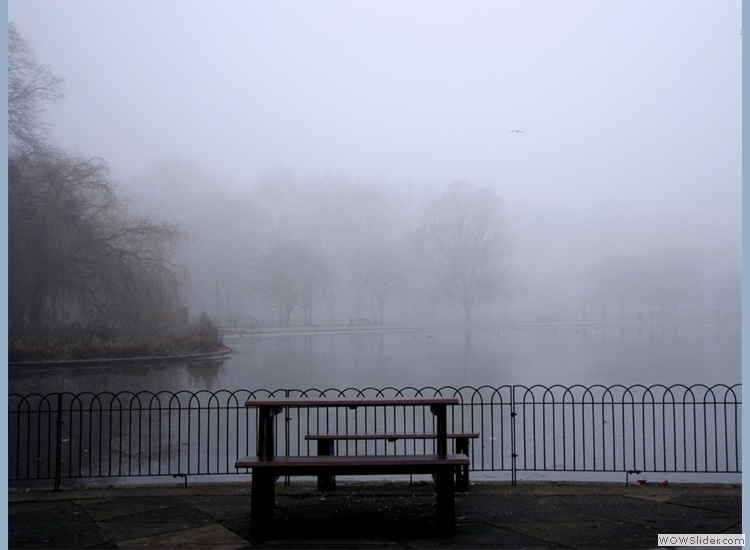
x: 366, y: 515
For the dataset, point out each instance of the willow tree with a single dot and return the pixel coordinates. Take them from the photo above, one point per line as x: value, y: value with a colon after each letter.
x: 75, y: 253
x: 464, y: 246
x: 31, y: 87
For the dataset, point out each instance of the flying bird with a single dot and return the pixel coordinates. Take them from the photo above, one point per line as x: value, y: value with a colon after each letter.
x: 517, y: 131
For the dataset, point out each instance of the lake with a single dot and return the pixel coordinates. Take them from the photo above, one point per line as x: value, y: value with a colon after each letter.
x: 666, y: 353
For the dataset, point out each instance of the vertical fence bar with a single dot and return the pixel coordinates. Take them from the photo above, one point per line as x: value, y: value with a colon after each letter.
x: 58, y: 443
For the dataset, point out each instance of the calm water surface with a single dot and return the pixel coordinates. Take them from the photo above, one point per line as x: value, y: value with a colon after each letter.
x: 679, y: 353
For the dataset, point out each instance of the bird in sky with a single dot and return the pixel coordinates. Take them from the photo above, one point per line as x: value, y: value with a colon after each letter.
x: 517, y: 131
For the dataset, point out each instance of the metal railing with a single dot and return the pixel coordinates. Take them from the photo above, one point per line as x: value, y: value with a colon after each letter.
x: 682, y: 429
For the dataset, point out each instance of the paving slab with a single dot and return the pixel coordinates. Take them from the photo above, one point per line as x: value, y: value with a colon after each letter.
x: 484, y: 535
x: 370, y: 515
x: 109, y: 508
x: 155, y: 522
x: 554, y: 531
x: 208, y: 537
x: 56, y: 534
x: 223, y: 506
x: 615, y: 535
x: 719, y: 503
x: 514, y: 508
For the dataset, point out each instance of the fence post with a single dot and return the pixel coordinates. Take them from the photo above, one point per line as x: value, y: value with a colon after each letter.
x: 513, y: 454
x: 58, y: 443
x: 287, y: 393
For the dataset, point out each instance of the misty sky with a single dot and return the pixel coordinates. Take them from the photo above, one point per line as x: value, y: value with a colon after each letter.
x: 631, y: 109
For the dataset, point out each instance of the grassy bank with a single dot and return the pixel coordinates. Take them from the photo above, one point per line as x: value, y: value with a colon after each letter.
x: 101, y: 344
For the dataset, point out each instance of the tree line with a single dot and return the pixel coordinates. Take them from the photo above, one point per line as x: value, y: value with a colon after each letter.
x: 331, y: 247
x: 318, y: 250
x: 326, y: 249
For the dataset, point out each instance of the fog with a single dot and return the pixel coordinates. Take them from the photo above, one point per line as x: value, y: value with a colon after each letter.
x: 339, y: 125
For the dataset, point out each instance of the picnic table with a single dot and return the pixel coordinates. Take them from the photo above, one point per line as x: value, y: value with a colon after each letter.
x: 266, y: 466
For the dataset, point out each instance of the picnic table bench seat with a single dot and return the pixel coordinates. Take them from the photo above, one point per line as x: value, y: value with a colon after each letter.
x: 326, y: 443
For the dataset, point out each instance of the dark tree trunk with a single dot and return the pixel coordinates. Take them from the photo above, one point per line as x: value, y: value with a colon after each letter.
x: 467, y: 314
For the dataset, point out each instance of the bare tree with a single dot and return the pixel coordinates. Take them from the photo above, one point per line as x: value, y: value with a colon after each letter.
x: 382, y: 272
x: 278, y: 199
x: 77, y: 255
x: 664, y: 279
x: 672, y: 276
x: 290, y: 274
x: 362, y: 221
x: 727, y: 294
x: 463, y: 244
x: 317, y: 283
x: 30, y: 87
x: 617, y: 278
x: 218, y: 223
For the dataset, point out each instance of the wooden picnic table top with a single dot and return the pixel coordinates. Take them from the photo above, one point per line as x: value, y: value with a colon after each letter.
x: 349, y: 401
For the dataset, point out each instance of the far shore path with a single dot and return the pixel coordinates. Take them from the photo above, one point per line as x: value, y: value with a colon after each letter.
x: 500, y: 325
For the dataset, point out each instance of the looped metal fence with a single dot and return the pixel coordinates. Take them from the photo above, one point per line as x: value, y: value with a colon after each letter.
x: 680, y: 429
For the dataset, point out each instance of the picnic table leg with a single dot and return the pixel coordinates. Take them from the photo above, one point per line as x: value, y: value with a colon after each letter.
x: 326, y: 482
x: 462, y: 472
x: 266, y: 436
x: 441, y: 414
x: 262, y: 501
x: 446, y: 500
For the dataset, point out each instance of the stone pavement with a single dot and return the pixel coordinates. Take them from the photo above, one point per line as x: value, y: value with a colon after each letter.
x: 371, y: 515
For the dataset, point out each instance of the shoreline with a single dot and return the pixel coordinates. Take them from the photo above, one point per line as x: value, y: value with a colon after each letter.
x: 122, y: 361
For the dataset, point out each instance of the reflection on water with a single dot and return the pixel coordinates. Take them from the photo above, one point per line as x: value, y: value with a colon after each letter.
x: 685, y: 353
x: 116, y: 378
